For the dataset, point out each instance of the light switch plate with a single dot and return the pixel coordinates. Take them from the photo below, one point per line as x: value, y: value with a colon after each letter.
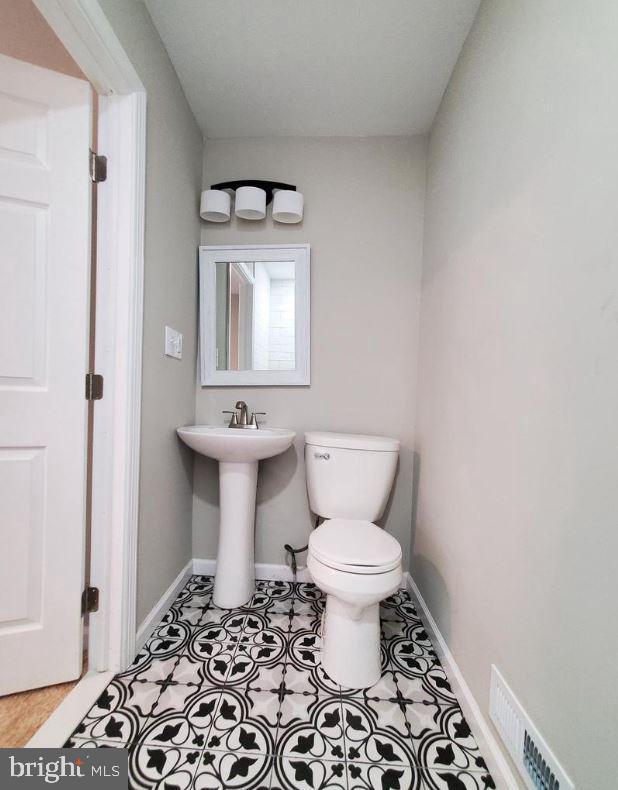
x: 173, y: 343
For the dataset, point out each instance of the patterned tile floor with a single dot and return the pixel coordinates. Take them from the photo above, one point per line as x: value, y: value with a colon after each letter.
x: 238, y: 699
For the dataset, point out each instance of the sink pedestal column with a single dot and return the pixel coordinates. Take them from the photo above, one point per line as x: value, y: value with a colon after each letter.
x: 235, y: 577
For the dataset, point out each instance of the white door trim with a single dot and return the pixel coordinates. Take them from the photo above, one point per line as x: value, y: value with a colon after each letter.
x: 85, y: 31
x: 118, y: 355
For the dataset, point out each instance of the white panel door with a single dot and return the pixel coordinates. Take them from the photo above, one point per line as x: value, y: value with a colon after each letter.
x: 44, y: 296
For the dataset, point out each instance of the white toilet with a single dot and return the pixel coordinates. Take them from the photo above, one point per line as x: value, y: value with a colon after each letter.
x: 355, y: 562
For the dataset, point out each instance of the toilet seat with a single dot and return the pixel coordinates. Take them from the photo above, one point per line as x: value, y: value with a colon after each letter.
x: 356, y: 547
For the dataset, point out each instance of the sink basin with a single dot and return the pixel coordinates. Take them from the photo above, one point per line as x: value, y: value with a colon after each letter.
x: 238, y: 452
x: 236, y: 444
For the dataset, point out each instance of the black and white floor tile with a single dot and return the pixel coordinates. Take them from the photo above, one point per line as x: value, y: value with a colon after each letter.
x: 223, y: 698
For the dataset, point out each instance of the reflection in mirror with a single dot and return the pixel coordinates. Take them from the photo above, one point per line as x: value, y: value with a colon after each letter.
x: 255, y: 327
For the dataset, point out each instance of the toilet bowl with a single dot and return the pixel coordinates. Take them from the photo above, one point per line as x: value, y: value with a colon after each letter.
x: 357, y: 565
x: 355, y: 562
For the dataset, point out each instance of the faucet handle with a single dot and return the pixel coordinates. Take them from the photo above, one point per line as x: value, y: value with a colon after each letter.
x: 234, y: 420
x: 254, y: 416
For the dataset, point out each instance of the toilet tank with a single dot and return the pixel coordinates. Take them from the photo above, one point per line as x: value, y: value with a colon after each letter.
x: 349, y: 476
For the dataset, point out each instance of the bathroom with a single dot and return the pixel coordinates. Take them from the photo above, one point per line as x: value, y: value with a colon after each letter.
x: 455, y: 275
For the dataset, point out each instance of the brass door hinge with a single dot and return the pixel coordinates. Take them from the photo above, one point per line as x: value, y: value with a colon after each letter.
x: 94, y: 386
x: 90, y: 600
x: 98, y: 167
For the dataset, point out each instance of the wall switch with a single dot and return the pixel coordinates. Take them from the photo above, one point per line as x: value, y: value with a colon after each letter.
x: 173, y: 343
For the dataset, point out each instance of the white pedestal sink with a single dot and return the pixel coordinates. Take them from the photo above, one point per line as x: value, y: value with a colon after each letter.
x: 238, y: 452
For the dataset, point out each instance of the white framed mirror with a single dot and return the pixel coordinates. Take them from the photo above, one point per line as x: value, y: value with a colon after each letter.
x: 254, y: 315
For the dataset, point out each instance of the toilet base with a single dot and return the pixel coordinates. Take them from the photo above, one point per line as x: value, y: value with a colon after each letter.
x: 351, y: 644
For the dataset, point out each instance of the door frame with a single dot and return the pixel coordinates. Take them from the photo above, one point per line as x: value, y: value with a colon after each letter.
x: 88, y: 36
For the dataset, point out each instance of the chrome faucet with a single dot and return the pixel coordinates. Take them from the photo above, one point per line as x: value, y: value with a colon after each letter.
x: 240, y: 417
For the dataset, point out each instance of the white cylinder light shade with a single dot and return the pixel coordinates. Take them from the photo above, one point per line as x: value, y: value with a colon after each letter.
x: 215, y: 205
x: 288, y: 206
x: 250, y: 203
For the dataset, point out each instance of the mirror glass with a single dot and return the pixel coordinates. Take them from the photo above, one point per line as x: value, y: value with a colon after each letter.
x: 255, y: 315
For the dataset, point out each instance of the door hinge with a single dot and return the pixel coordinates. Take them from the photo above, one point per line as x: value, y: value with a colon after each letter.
x: 90, y: 600
x: 98, y: 167
x: 94, y: 386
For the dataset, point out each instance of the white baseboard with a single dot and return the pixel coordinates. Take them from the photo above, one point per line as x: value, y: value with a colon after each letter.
x: 204, y: 567
x: 153, y: 618
x: 53, y: 733
x: 263, y: 571
x: 488, y: 744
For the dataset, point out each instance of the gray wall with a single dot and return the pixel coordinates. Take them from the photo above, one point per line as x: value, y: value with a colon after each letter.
x: 363, y: 219
x: 516, y: 537
x: 173, y: 159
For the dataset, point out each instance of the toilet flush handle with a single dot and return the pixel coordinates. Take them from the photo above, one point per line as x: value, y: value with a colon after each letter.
x: 325, y: 456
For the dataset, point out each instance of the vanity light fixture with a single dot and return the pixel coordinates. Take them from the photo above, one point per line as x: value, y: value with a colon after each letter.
x: 215, y: 205
x: 288, y: 206
x: 252, y: 197
x: 250, y: 203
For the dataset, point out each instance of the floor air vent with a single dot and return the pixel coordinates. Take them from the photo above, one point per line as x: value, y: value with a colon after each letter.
x: 531, y: 754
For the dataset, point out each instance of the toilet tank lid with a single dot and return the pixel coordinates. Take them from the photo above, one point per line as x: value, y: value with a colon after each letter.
x: 352, y: 441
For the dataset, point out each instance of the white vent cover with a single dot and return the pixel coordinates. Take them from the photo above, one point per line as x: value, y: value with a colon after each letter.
x: 534, y: 759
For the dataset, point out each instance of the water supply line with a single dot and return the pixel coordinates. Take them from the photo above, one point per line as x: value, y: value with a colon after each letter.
x: 293, y: 552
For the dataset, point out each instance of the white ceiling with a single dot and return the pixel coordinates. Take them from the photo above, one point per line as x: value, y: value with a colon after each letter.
x: 257, y: 68
x: 280, y: 270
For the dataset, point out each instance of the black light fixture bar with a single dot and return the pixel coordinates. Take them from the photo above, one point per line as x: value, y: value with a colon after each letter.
x: 268, y: 186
